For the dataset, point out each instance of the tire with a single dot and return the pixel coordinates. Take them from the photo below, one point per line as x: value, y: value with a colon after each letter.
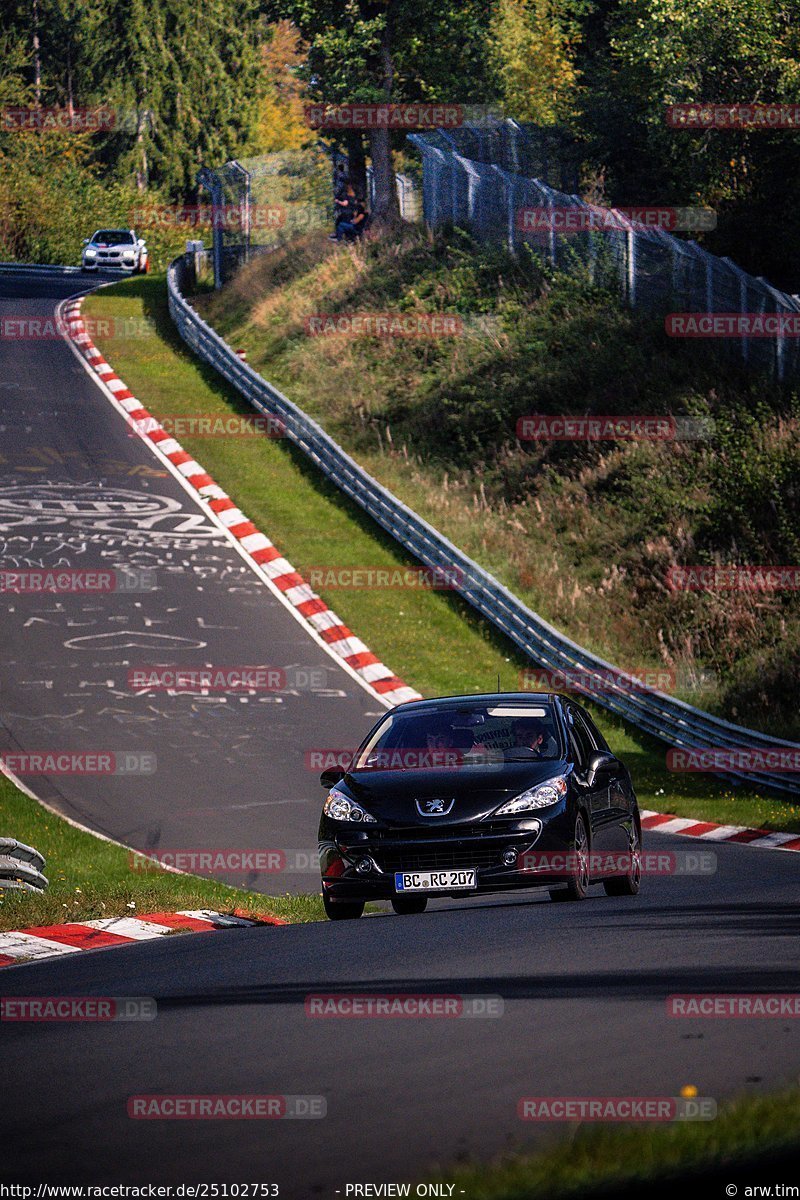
x: 342, y: 910
x: 578, y: 886
x: 409, y: 905
x: 628, y: 885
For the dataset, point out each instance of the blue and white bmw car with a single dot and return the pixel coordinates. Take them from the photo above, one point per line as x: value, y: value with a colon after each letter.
x: 118, y: 249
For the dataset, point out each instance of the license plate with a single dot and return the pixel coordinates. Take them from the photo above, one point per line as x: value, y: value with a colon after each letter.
x: 424, y: 881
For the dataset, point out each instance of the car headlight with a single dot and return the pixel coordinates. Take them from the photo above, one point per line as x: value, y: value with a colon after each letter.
x: 342, y: 808
x: 540, y: 796
x: 89, y: 253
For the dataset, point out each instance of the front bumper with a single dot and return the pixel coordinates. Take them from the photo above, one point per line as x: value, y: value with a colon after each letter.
x: 412, y: 849
x: 110, y: 262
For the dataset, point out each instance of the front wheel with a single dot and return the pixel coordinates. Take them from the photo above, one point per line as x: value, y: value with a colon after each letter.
x: 578, y: 885
x: 408, y: 905
x: 629, y: 884
x: 342, y: 910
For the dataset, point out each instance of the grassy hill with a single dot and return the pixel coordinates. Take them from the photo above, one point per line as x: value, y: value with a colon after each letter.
x: 585, y: 532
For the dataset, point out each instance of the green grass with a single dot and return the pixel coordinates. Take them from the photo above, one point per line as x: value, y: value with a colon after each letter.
x: 748, y: 1131
x: 433, y: 640
x: 91, y: 878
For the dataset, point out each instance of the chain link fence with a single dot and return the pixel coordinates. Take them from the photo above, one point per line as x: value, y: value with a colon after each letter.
x: 257, y: 203
x: 516, y: 185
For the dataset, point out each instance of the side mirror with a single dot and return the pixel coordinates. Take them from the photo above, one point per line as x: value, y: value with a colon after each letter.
x: 86, y: 241
x: 140, y: 242
x: 331, y: 776
x: 602, y: 764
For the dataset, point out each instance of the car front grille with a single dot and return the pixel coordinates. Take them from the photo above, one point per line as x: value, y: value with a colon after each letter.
x: 434, y: 858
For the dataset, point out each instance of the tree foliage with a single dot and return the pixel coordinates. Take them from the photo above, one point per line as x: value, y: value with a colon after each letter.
x: 532, y: 49
x: 642, y: 55
x: 281, y: 119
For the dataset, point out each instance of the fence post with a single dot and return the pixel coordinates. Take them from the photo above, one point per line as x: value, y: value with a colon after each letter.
x: 511, y: 197
x: 211, y: 181
x: 631, y: 248
x: 551, y: 235
x: 742, y: 277
x: 508, y: 184
x: 675, y: 258
x: 778, y: 358
x: 244, y: 205
x: 709, y: 281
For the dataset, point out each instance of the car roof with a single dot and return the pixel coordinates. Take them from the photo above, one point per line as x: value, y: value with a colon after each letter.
x: 435, y: 702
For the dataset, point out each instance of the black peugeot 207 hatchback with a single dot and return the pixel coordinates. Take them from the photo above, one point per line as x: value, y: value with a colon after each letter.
x: 472, y: 794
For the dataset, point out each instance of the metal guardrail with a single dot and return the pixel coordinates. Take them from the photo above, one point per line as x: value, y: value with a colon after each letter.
x: 21, y: 867
x: 52, y: 268
x: 673, y: 721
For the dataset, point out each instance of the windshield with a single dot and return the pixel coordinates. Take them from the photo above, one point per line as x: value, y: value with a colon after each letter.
x: 470, y: 734
x: 114, y: 237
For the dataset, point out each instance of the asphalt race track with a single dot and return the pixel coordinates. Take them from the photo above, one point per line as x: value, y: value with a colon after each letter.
x: 78, y: 490
x: 583, y: 986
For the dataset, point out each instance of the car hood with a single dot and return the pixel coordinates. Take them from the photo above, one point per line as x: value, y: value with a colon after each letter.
x: 475, y: 793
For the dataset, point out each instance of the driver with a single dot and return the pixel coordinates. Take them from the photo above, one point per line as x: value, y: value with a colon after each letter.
x: 531, y: 739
